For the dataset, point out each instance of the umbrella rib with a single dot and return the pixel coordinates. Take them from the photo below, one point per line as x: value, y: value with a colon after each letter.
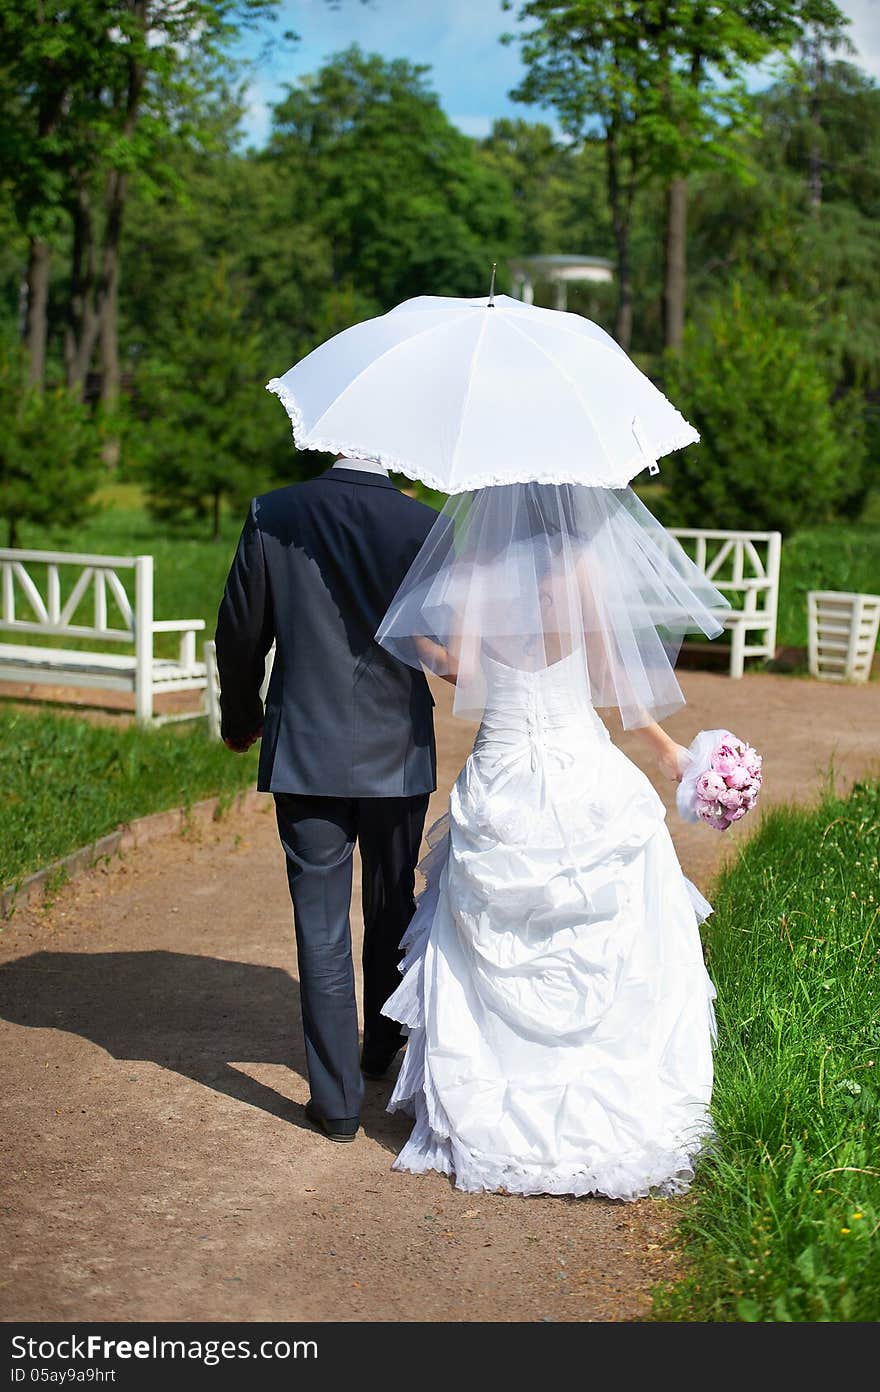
x: 559, y: 368
x: 615, y: 352
x: 467, y: 396
x: 401, y: 342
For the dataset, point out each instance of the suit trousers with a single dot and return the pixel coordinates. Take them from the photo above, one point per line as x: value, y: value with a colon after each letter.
x: 319, y: 835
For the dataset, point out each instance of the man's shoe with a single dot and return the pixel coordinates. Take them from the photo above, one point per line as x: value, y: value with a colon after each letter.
x: 334, y: 1128
x: 376, y: 1062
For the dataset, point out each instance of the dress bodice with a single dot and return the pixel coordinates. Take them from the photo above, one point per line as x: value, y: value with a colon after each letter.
x: 536, y: 704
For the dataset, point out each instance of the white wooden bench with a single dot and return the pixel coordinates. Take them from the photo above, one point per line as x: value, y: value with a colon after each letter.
x: 744, y: 566
x: 43, y: 594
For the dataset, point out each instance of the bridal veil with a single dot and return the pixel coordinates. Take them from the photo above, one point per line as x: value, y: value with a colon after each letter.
x: 529, y: 573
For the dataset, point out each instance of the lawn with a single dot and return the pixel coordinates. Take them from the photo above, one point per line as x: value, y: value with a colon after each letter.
x: 783, y: 1221
x: 65, y: 782
x: 190, y: 570
x: 119, y: 775
x: 843, y: 557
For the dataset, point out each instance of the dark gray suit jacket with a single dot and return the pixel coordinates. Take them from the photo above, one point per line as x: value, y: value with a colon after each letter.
x: 317, y: 565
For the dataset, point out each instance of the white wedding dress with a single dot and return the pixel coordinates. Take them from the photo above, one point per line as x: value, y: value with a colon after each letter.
x: 559, y: 1013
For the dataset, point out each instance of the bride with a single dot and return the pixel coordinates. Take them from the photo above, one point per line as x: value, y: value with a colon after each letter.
x: 553, y: 988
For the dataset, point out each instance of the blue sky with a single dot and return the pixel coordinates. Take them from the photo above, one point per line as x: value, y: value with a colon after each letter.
x: 470, y: 70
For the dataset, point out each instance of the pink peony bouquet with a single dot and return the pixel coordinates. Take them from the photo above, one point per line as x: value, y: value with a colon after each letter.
x: 721, y: 781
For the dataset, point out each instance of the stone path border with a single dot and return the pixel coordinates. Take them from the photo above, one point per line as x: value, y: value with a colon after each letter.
x: 128, y: 836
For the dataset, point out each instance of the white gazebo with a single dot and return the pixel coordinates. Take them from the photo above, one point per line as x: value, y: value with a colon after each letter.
x: 561, y: 271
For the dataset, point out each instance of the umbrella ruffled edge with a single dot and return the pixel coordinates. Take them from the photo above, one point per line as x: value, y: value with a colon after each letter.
x: 304, y: 441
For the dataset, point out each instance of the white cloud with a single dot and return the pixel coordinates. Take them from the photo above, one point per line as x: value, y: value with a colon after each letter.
x: 864, y: 31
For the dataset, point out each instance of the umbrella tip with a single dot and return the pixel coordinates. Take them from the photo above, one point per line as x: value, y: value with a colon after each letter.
x: 491, y: 304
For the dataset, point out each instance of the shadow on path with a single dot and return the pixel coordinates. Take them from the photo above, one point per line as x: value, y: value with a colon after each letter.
x: 188, y: 1014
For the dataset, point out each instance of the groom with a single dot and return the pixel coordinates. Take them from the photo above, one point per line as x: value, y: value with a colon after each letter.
x: 347, y: 746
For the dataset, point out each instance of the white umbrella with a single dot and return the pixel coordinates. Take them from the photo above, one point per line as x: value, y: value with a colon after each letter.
x: 463, y: 394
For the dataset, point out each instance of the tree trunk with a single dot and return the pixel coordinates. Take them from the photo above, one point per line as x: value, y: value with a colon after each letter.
x: 109, y: 321
x: 675, y: 282
x: 620, y: 218
x: 623, y: 320
x: 35, y: 332
x: 79, y: 336
x: 112, y: 447
x: 13, y: 531
x: 216, y: 535
x: 99, y: 318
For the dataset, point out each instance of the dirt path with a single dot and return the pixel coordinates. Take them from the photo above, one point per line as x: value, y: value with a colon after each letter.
x: 156, y: 1161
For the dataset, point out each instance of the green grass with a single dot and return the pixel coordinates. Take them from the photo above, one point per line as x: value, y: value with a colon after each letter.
x: 64, y: 782
x: 190, y: 570
x: 845, y: 556
x: 783, y: 1223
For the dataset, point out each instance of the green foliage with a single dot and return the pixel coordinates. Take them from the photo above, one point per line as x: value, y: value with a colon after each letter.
x: 665, y: 78
x: 94, y: 86
x: 401, y: 195
x: 65, y: 782
x: 785, y: 1213
x: 49, y: 452
x: 774, y: 449
x: 210, y: 433
x: 542, y: 174
x: 793, y: 251
x: 663, y: 84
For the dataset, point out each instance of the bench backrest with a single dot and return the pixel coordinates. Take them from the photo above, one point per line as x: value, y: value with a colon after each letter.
x: 733, y: 560
x: 47, y: 592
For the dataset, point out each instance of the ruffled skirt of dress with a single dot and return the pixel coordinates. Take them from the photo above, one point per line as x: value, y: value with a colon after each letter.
x: 558, y: 1009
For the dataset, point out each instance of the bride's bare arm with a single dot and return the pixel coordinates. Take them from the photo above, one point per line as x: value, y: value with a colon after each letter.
x: 438, y: 659
x: 667, y: 753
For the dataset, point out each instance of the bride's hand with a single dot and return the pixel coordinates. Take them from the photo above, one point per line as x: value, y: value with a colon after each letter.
x: 673, y: 761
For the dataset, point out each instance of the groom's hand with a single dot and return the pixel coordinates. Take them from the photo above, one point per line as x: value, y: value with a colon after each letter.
x: 243, y: 745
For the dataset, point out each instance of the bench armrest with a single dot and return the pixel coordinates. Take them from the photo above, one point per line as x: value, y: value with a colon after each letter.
x: 178, y: 625
x: 744, y: 584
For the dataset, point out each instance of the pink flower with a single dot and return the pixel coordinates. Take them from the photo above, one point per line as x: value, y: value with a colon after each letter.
x: 739, y: 777
x: 709, y: 785
x: 725, y: 784
x: 724, y: 760
x: 730, y: 798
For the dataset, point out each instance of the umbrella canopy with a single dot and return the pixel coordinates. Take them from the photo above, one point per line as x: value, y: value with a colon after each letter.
x: 464, y: 394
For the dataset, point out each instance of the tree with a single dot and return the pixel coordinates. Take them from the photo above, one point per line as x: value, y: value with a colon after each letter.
x: 86, y: 89
x: 771, y: 234
x: 774, y: 450
x: 404, y: 199
x: 210, y: 433
x: 663, y: 82
x: 702, y: 43
x: 542, y: 173
x: 49, y: 451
